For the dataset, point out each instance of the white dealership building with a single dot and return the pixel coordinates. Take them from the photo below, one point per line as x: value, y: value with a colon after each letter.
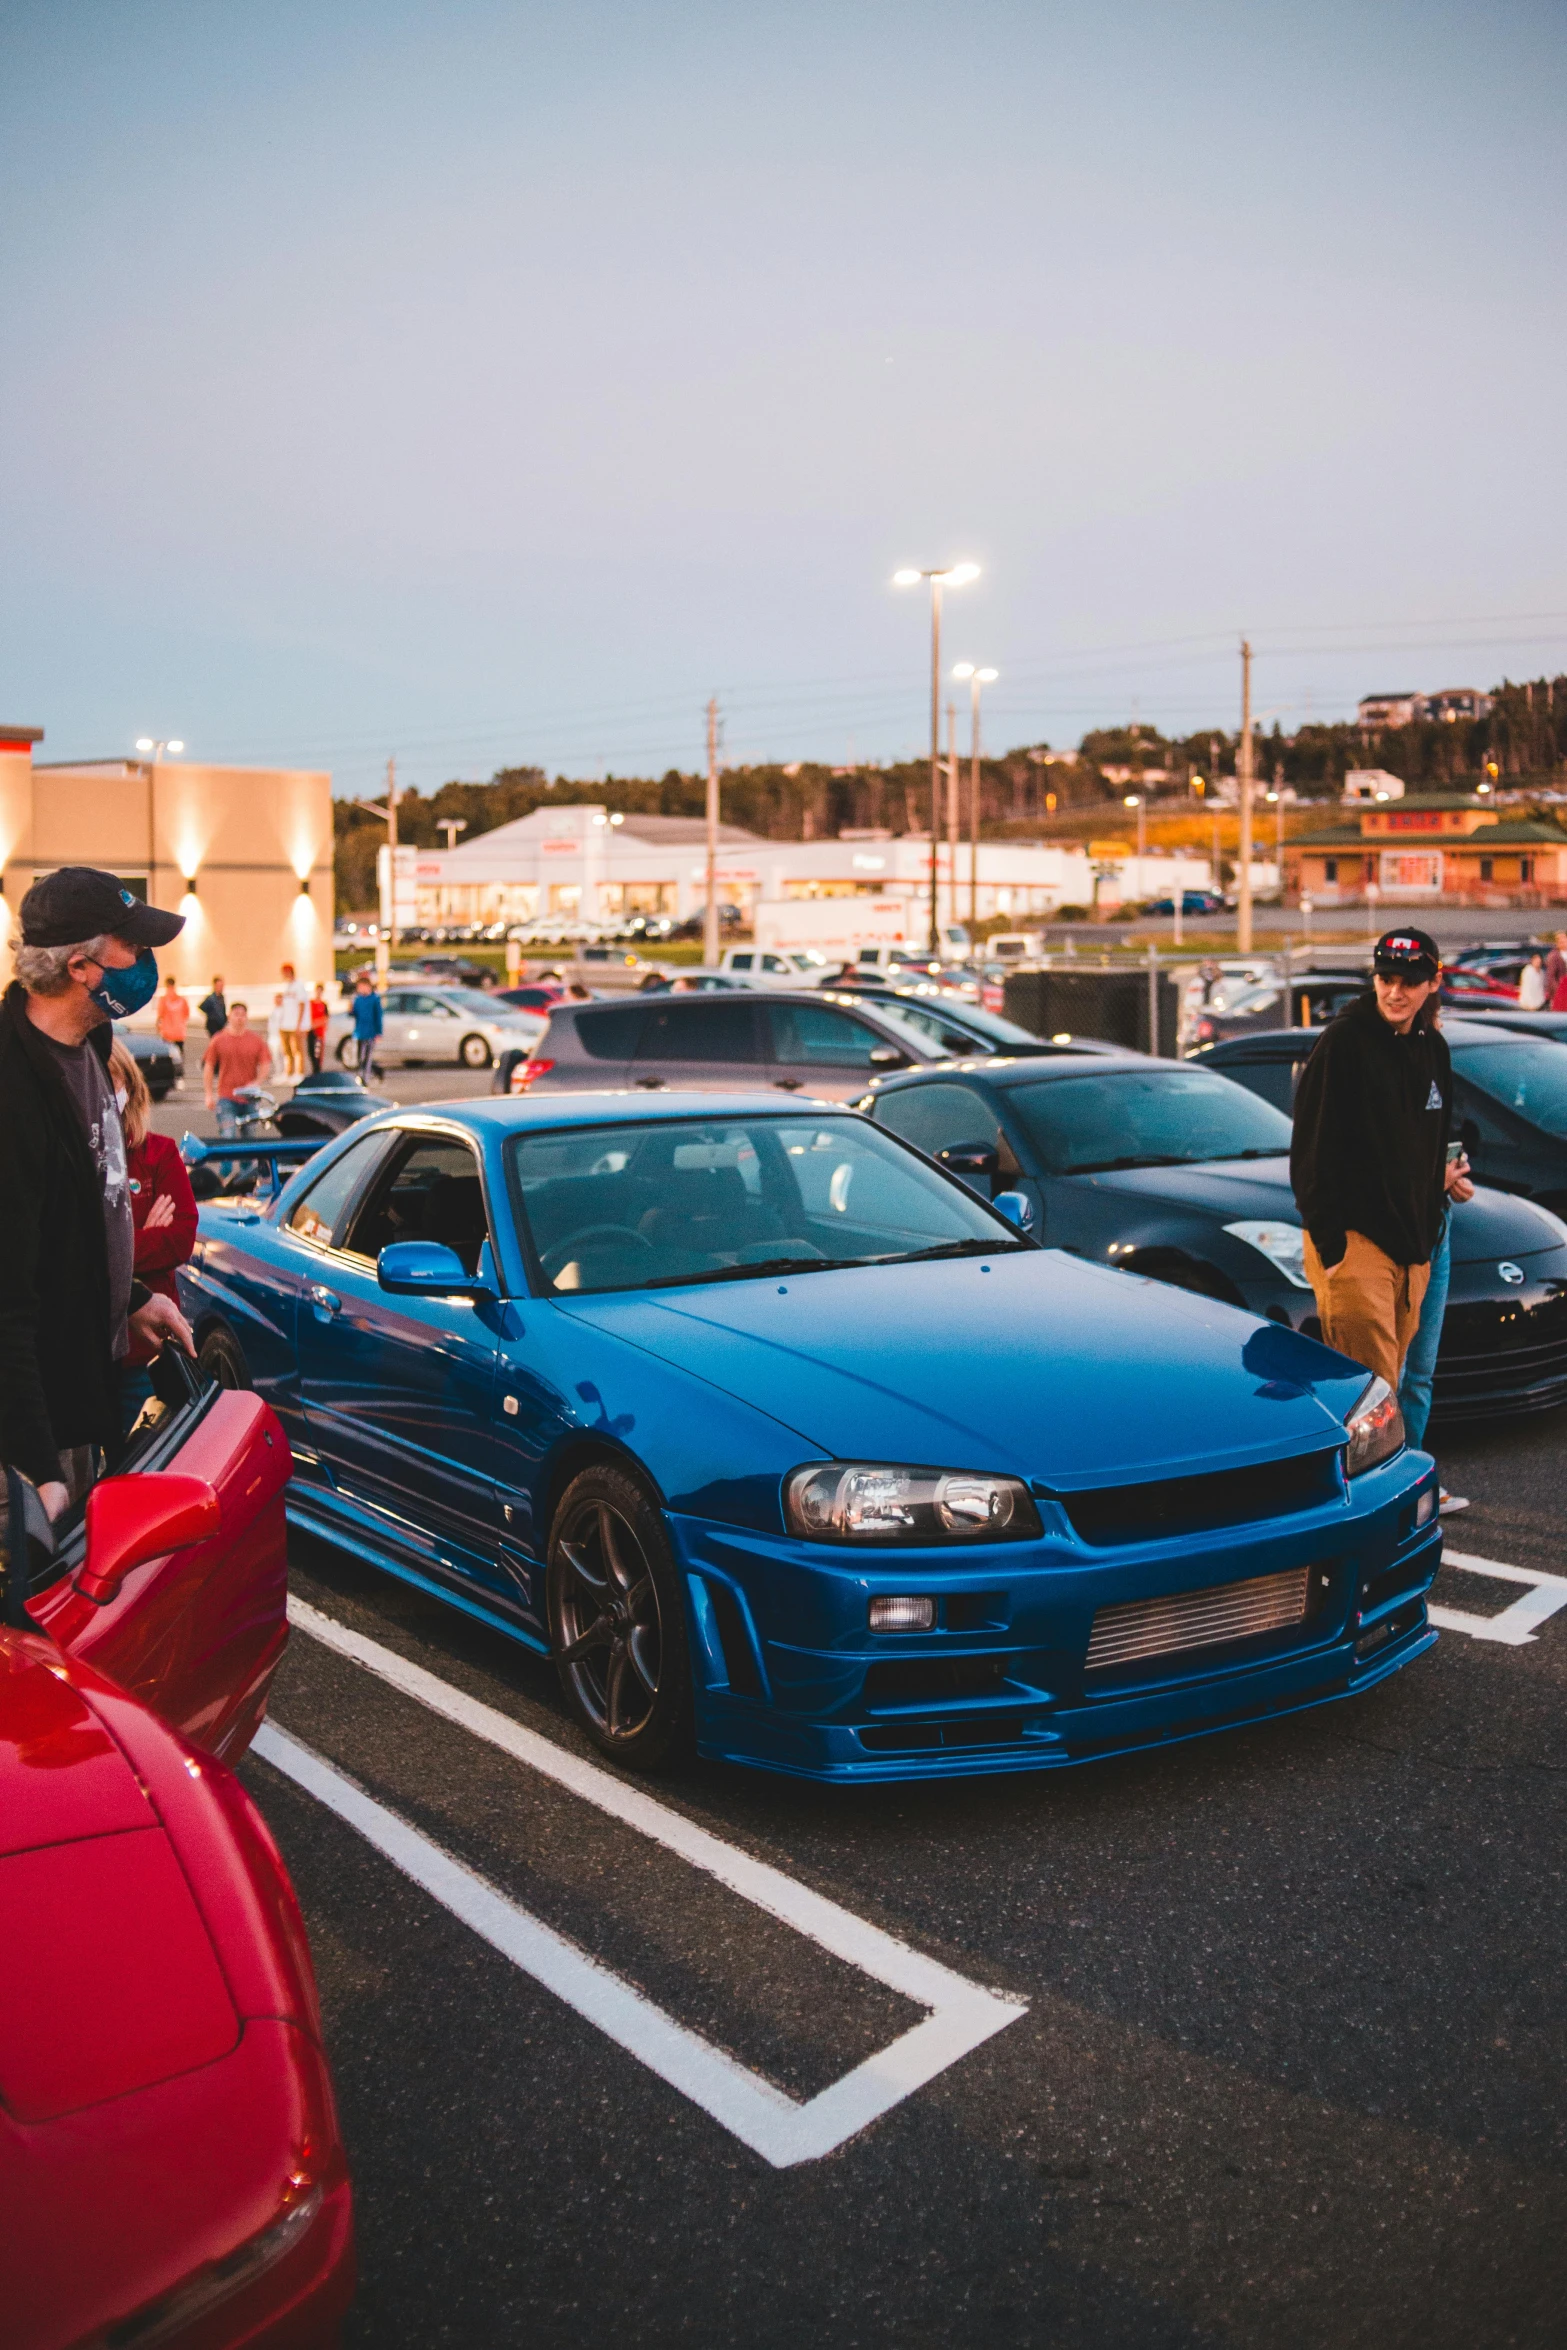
x: 586, y: 864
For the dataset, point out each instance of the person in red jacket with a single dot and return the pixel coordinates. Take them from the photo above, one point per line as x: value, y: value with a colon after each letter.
x: 163, y: 1212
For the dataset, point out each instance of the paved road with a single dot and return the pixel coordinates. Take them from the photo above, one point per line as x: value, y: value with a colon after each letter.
x: 182, y: 1110
x: 1287, y: 2069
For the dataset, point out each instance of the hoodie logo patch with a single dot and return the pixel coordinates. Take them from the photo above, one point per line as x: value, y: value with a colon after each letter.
x: 1433, y: 1098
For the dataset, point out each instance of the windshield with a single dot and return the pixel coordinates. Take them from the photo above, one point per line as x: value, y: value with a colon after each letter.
x: 1528, y: 1076
x: 490, y: 1007
x: 1169, y: 1117
x: 989, y: 1027
x: 728, y: 1199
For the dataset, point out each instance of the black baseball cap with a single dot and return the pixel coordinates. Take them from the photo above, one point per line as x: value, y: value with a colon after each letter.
x: 1406, y: 954
x: 78, y: 901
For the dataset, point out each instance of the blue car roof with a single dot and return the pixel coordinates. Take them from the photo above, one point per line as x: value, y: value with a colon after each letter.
x: 506, y: 1113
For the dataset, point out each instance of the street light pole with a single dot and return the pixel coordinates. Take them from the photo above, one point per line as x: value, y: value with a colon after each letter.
x: 944, y: 575
x: 952, y: 812
x: 710, y: 916
x: 1244, y: 771
x: 145, y: 744
x: 977, y: 680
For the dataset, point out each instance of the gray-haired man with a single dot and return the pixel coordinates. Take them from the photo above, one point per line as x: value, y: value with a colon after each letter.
x: 68, y: 1296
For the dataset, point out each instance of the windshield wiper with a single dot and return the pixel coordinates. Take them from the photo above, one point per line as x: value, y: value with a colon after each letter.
x: 760, y: 1265
x: 955, y: 1248
x: 1108, y: 1166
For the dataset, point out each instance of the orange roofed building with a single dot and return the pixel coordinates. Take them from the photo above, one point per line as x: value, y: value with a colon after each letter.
x: 1441, y: 849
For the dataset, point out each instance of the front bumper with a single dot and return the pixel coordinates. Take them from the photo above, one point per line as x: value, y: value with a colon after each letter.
x: 788, y: 1676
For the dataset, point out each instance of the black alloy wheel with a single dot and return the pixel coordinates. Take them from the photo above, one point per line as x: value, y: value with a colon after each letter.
x: 220, y: 1357
x: 617, y: 1627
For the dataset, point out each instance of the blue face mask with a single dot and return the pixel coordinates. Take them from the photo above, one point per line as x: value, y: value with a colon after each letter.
x: 120, y: 993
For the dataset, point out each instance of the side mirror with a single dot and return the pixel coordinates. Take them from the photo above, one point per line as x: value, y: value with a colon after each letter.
x: 970, y: 1158
x: 135, y: 1518
x: 886, y: 1056
x: 426, y: 1268
x: 1017, y: 1208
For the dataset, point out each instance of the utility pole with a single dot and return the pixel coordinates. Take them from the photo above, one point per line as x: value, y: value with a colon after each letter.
x: 935, y: 759
x: 710, y: 918
x: 952, y: 811
x: 1243, y: 769
x: 387, y: 810
x: 973, y: 815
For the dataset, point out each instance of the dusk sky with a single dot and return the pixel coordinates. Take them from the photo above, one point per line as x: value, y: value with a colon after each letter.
x: 493, y: 383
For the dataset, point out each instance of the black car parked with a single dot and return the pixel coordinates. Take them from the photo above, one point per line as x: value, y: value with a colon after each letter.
x: 1147, y: 1165
x: 162, y: 1065
x: 328, y: 1103
x: 968, y: 1030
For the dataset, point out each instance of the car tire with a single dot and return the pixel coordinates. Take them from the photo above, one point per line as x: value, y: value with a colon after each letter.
x: 221, y: 1358
x: 474, y: 1053
x: 503, y: 1070
x: 347, y: 1052
x: 617, y: 1621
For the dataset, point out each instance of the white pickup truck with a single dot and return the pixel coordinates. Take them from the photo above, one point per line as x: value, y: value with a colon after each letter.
x: 775, y: 966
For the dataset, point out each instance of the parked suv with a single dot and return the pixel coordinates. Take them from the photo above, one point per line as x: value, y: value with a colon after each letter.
x: 824, y: 1045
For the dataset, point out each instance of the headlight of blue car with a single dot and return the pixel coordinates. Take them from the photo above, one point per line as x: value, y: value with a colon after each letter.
x: 1284, y: 1246
x: 881, y: 1502
x: 1376, y: 1429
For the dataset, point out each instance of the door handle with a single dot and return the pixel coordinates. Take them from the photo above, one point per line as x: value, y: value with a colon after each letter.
x: 787, y: 1084
x: 652, y: 1084
x: 324, y: 1302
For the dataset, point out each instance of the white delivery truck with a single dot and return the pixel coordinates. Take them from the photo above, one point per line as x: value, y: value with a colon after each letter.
x: 835, y: 927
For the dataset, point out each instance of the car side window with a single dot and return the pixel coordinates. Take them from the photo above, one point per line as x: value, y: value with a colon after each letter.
x: 939, y: 1117
x: 1273, y: 1080
x: 821, y: 1037
x: 720, y: 1028
x: 610, y: 1035
x: 317, y: 1216
x: 431, y: 1191
x: 740, y: 962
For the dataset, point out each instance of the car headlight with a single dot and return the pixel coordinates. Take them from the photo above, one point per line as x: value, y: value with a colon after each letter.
x: 1376, y: 1429
x: 1284, y: 1246
x: 878, y: 1501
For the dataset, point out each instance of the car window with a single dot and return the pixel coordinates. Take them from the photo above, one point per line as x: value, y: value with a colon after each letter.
x: 774, y: 963
x: 317, y: 1216
x: 611, y: 1035
x: 397, y: 1003
x: 431, y: 1191
x: 993, y: 1032
x: 1142, y: 1118
x: 474, y: 999
x: 938, y: 1117
x: 740, y: 962
x: 426, y: 1007
x: 1271, y: 1081
x: 717, y: 1029
x: 651, y: 1206
x: 1527, y: 1076
x: 821, y: 1037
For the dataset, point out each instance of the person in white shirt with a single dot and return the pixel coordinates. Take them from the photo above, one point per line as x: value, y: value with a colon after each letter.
x: 291, y: 1023
x: 1532, y: 993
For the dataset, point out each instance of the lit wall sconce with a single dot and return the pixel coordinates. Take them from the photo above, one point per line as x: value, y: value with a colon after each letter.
x: 190, y: 885
x: 304, y: 887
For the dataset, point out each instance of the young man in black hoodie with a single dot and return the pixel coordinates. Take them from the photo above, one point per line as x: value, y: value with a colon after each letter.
x: 1369, y: 1158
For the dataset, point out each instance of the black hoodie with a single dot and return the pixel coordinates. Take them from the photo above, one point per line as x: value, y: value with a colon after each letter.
x: 58, y: 1385
x: 1371, y: 1126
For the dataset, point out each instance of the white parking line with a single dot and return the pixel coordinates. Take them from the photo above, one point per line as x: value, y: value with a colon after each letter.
x: 774, y: 2125
x: 1514, y: 1627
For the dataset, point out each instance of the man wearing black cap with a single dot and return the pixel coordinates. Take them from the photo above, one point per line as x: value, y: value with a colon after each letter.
x: 68, y: 1297
x: 1369, y: 1157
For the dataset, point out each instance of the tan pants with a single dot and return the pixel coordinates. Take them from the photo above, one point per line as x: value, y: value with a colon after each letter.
x: 1369, y: 1307
x: 293, y: 1042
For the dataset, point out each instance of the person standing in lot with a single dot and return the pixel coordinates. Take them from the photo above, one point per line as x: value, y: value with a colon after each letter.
x: 1369, y: 1157
x: 214, y: 1008
x: 69, y: 1298
x: 173, y: 1015
x: 1533, y: 994
x: 163, y: 1211
x: 291, y: 1023
x: 1556, y: 967
x: 315, y: 1035
x: 367, y: 1024
x: 236, y: 1058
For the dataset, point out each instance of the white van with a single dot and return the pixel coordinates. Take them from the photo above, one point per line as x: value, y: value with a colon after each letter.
x: 775, y: 966
x: 1015, y: 946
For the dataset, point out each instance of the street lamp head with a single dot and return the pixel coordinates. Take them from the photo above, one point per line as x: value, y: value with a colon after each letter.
x: 907, y: 578
x: 1132, y: 800
x: 175, y: 745
x: 959, y: 574
x: 964, y: 669
x: 987, y: 676
x: 144, y: 742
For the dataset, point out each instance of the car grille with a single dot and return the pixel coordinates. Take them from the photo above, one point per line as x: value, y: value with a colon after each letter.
x: 1136, y: 1628
x: 1502, y: 1358
x: 1195, y: 1505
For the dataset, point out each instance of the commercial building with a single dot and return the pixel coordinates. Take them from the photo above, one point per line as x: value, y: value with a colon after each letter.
x: 244, y: 853
x: 1452, y: 703
x: 584, y: 863
x: 1439, y: 848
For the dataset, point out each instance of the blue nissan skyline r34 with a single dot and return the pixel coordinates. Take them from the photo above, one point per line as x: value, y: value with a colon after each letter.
x: 780, y: 1441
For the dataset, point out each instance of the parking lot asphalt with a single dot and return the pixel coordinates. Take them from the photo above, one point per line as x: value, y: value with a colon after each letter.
x: 1281, y: 2065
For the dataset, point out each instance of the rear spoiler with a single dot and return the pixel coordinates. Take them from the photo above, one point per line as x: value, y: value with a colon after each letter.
x: 224, y: 1162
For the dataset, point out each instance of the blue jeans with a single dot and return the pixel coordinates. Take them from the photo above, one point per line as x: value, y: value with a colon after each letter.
x: 1414, y: 1389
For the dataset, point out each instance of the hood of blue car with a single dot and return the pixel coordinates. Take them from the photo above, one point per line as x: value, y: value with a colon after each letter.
x: 1043, y: 1365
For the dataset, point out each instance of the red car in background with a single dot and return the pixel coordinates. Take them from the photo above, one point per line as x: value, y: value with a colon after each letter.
x: 171, y: 2169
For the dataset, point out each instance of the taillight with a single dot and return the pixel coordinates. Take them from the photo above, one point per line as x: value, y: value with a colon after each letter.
x: 526, y: 1071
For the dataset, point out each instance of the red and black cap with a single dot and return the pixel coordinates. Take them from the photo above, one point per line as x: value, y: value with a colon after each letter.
x: 1406, y: 954
x: 78, y: 901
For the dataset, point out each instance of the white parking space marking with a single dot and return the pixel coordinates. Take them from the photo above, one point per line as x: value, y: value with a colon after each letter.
x: 774, y: 2125
x: 1514, y: 1626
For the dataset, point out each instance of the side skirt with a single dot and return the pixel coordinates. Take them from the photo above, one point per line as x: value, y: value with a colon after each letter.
x: 328, y: 1529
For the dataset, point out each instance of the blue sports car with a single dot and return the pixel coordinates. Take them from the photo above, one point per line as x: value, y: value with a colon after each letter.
x: 780, y: 1440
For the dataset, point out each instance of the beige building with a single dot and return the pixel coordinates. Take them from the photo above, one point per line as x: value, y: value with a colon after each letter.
x: 244, y: 853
